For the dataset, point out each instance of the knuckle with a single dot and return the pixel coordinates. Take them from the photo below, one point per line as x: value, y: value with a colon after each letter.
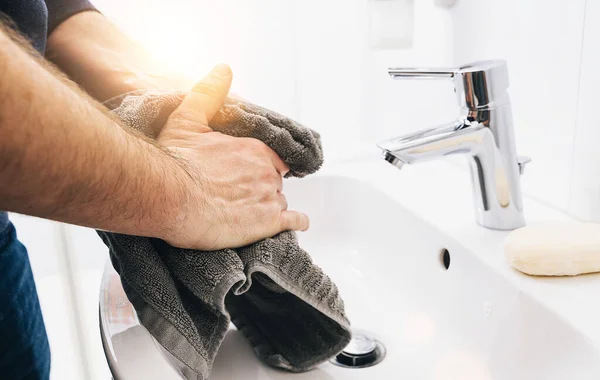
x: 275, y: 182
x: 298, y: 219
x: 292, y: 220
x: 246, y: 143
x: 284, y: 202
x: 266, y: 179
x: 270, y: 176
x: 268, y: 192
x: 278, y: 181
x: 254, y: 150
x: 187, y: 117
x: 267, y: 150
x: 205, y: 88
x: 269, y: 211
x: 257, y: 145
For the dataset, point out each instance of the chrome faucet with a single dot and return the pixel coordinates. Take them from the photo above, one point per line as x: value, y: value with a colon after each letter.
x: 484, y: 132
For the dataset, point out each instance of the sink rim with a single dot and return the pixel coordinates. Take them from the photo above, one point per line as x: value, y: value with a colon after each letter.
x: 447, y: 206
x: 444, y: 210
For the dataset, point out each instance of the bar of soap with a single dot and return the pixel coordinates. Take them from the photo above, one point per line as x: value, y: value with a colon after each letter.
x: 555, y: 249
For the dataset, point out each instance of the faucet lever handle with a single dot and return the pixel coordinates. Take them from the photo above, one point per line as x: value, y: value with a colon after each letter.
x: 489, y: 67
x: 419, y: 73
x: 476, y: 84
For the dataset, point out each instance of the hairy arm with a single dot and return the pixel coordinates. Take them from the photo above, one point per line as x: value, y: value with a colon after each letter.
x: 104, y: 61
x: 63, y: 158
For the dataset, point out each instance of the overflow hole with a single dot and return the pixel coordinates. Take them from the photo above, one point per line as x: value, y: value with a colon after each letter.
x: 445, y: 258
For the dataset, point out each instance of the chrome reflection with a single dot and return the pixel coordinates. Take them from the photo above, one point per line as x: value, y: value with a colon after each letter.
x: 484, y: 132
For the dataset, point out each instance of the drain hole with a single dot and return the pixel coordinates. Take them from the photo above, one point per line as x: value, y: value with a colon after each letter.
x: 445, y: 258
x: 361, y: 352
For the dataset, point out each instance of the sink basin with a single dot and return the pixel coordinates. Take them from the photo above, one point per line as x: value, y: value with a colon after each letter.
x: 417, y: 274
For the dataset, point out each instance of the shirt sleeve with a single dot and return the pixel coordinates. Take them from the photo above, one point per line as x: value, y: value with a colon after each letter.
x: 60, y: 10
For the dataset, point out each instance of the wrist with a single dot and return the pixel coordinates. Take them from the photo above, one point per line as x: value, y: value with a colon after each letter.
x: 179, y: 194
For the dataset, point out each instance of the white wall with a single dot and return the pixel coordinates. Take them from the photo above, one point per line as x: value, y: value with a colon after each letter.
x: 584, y: 200
x: 542, y: 43
x: 255, y: 37
x: 391, y: 108
x: 307, y: 59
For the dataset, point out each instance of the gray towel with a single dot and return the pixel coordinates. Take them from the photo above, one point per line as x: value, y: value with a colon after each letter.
x: 288, y: 309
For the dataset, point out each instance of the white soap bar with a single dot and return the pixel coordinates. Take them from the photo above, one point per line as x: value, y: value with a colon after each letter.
x: 555, y: 249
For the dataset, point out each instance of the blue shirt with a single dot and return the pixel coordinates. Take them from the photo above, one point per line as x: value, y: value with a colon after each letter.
x: 36, y: 19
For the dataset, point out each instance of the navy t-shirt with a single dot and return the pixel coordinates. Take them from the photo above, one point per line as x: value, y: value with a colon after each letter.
x: 36, y: 19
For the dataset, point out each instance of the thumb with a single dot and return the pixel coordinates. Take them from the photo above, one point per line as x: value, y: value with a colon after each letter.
x: 207, y: 96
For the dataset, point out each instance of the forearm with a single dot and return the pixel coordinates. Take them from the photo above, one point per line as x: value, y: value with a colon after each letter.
x: 63, y: 158
x: 95, y: 54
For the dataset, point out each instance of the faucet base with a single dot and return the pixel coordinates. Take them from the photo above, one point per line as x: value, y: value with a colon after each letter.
x: 501, y: 223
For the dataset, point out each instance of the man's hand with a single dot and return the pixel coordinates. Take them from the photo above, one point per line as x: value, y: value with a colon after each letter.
x: 234, y: 184
x: 63, y: 158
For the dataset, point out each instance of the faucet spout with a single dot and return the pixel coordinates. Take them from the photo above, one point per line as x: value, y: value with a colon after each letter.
x: 492, y: 160
x: 493, y: 164
x: 457, y: 137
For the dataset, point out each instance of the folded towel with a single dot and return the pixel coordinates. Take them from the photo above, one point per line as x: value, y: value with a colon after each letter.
x: 285, y: 305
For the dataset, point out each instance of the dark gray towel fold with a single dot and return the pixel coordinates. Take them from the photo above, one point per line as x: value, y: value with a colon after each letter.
x: 285, y: 305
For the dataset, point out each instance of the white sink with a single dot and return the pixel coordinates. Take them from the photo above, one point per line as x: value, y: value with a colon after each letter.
x: 379, y: 234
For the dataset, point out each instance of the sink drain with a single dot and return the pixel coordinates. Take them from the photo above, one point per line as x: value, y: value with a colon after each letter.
x: 362, y: 351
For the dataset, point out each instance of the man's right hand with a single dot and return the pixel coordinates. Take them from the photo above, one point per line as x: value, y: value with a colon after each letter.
x: 232, y: 187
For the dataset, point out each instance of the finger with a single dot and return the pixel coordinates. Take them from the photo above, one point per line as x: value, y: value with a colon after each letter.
x: 293, y: 221
x: 279, y: 183
x: 278, y: 163
x: 208, y: 95
x: 282, y: 201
